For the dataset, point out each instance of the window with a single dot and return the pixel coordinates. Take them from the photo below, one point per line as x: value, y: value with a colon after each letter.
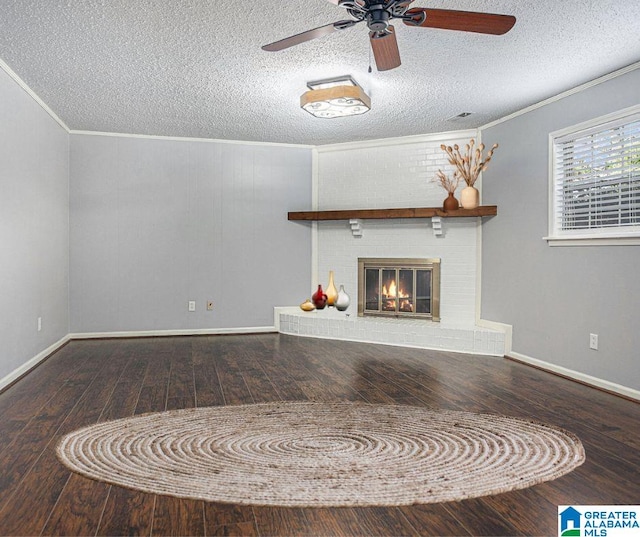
x: 595, y: 181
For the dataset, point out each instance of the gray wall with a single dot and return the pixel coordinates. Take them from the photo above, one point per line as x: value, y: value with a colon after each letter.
x: 156, y: 223
x: 555, y: 296
x: 34, y: 232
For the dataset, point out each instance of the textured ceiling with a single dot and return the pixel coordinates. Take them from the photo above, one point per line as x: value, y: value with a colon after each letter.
x: 194, y: 68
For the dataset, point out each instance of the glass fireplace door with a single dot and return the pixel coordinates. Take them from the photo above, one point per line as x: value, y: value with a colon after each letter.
x: 403, y: 290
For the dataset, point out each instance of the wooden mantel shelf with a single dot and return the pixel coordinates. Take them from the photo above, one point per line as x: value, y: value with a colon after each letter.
x: 378, y: 214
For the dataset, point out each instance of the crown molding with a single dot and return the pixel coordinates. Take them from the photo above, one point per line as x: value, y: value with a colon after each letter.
x: 188, y: 139
x: 555, y: 98
x: 12, y: 74
x: 382, y: 142
x: 401, y: 140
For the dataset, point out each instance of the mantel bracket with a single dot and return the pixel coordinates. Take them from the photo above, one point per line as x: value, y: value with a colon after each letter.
x: 436, y: 224
x: 356, y: 227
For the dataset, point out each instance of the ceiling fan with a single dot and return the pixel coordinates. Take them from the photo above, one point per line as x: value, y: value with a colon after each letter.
x: 378, y: 14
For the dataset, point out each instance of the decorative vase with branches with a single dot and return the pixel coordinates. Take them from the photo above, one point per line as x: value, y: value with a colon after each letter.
x: 450, y: 185
x: 469, y: 165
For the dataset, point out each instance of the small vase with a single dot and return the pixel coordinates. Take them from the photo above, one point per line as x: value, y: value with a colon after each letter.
x: 319, y: 298
x: 469, y: 197
x: 332, y: 292
x: 451, y: 203
x: 307, y: 305
x: 343, y: 300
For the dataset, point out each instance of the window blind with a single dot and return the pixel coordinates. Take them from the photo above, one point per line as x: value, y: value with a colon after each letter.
x: 597, y: 178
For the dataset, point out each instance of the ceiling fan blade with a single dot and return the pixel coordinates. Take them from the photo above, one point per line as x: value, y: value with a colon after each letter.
x: 385, y: 49
x: 308, y: 35
x: 464, y: 21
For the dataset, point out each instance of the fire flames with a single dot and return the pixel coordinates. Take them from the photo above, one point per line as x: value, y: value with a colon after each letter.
x: 390, y: 294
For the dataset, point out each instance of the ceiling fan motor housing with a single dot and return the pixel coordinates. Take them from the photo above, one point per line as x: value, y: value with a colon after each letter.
x: 378, y: 18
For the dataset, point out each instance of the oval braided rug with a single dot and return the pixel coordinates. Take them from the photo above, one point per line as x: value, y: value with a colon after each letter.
x: 321, y: 454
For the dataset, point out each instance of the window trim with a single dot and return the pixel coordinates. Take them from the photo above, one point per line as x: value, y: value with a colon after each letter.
x: 598, y: 236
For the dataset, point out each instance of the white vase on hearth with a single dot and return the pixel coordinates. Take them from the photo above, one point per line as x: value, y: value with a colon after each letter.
x: 343, y: 300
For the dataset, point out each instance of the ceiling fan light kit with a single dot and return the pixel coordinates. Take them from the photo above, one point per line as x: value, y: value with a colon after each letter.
x: 378, y: 15
x: 335, y: 97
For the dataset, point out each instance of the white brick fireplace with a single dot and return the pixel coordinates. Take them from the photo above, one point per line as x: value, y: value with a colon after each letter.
x: 393, y: 174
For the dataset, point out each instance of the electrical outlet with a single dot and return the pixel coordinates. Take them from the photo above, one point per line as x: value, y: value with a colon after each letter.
x: 192, y: 305
x: 593, y: 341
x: 209, y: 306
x: 39, y: 324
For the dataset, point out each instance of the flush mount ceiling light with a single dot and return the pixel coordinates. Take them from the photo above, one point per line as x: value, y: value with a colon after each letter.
x: 335, y: 97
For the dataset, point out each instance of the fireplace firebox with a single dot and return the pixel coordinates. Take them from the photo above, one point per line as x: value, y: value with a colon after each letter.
x: 390, y: 287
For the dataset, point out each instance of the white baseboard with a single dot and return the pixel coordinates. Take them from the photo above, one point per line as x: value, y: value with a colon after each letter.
x: 33, y: 362
x: 507, y: 329
x: 553, y: 368
x: 185, y: 332
x: 28, y: 366
x: 576, y: 375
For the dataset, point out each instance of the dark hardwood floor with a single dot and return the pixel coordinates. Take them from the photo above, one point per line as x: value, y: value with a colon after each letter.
x: 95, y: 380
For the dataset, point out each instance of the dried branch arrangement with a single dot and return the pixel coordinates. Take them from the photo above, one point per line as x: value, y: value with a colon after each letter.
x: 469, y: 165
x: 446, y: 182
